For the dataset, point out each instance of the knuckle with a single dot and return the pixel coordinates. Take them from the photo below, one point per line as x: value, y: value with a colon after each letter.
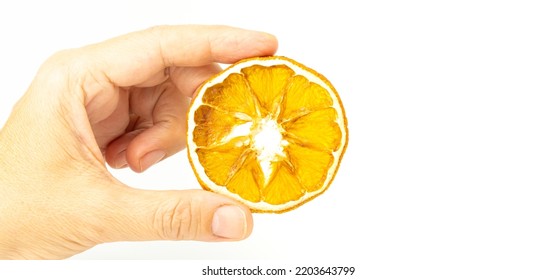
x: 63, y: 68
x: 178, y: 220
x: 56, y: 65
x: 65, y: 60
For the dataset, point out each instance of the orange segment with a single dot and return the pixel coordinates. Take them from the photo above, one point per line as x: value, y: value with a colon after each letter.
x: 268, y: 84
x: 268, y: 132
x: 212, y: 125
x: 232, y: 95
x: 248, y: 181
x: 221, y: 162
x: 283, y: 186
x: 317, y: 129
x: 303, y: 96
x: 311, y: 165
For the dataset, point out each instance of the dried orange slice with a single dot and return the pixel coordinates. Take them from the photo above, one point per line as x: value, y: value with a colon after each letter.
x: 267, y: 131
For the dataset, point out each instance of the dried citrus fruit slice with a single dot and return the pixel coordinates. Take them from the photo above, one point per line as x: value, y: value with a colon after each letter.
x: 267, y: 131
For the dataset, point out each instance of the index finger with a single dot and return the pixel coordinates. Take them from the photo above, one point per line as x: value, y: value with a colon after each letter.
x: 133, y: 58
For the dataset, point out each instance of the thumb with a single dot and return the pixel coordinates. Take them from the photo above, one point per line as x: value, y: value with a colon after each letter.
x: 174, y: 215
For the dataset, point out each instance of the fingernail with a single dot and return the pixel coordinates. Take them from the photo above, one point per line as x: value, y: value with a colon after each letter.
x: 120, y: 161
x: 229, y: 222
x: 151, y: 158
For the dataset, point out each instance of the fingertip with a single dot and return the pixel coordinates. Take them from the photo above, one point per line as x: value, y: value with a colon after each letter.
x: 271, y: 42
x: 119, y: 161
x: 152, y: 146
x: 232, y: 222
x: 150, y: 159
x: 116, y: 152
x: 230, y: 44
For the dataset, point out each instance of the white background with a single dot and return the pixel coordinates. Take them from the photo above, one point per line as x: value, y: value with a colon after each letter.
x: 451, y: 167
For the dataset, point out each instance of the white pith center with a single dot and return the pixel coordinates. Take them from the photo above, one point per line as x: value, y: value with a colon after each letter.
x: 268, y: 144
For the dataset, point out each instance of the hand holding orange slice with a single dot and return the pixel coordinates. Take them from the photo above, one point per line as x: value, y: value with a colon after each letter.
x: 267, y: 131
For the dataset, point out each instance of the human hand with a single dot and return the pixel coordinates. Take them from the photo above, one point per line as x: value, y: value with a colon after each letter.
x: 120, y: 102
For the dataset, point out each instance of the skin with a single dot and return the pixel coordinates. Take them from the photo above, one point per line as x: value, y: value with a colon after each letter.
x: 121, y: 102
